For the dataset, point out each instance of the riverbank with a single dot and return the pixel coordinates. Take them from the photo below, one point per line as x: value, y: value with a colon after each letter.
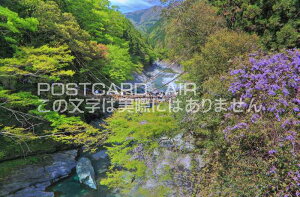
x: 31, y: 180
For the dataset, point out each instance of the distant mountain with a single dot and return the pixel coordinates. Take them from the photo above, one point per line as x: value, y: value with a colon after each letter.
x: 145, y: 19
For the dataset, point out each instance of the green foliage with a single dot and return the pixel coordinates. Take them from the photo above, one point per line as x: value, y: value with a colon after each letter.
x: 68, y: 130
x: 215, y: 55
x: 119, y: 67
x: 60, y: 40
x: 60, y: 27
x: 146, y: 18
x: 46, y: 62
x: 110, y: 27
x: 138, y: 47
x: 189, y: 25
x: 22, y: 99
x: 276, y: 22
x: 103, y: 24
x: 12, y: 27
x: 157, y: 34
x: 13, y: 23
x: 130, y: 131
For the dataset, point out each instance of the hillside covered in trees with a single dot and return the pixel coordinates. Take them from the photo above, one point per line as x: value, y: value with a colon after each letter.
x: 237, y: 53
x: 145, y: 19
x: 49, y: 41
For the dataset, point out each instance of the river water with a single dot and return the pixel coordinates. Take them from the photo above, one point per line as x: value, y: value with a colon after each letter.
x: 156, y: 76
x: 71, y: 187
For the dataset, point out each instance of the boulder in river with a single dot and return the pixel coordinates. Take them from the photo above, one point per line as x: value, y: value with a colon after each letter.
x: 86, y: 173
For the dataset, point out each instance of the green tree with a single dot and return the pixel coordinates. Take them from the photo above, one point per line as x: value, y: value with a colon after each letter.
x: 44, y: 62
x: 27, y: 123
x: 189, y: 24
x: 12, y: 28
x: 108, y: 26
x: 215, y: 55
x: 119, y: 66
x: 276, y: 21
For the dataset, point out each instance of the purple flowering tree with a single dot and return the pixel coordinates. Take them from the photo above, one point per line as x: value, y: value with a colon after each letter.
x: 273, y: 81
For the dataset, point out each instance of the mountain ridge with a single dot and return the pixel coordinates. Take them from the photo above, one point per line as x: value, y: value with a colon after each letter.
x: 145, y: 19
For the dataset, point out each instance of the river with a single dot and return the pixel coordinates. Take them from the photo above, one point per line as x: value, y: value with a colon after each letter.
x: 156, y: 76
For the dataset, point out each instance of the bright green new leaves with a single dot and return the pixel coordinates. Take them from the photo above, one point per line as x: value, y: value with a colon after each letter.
x: 129, y: 132
x: 12, y: 22
x: 119, y: 66
x: 103, y: 24
x: 60, y: 27
x: 46, y: 62
x: 108, y: 26
x: 11, y: 28
x: 70, y: 130
x: 20, y: 99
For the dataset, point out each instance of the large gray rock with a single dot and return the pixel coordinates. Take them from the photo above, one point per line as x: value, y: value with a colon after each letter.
x: 170, y: 165
x: 33, y: 180
x: 181, y: 142
x: 34, y: 191
x: 86, y: 173
x: 184, y: 161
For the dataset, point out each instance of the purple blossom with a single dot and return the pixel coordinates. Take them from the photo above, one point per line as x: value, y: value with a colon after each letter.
x: 297, y: 101
x: 241, y: 125
x: 273, y: 170
x: 290, y: 122
x: 284, y: 102
x: 254, y: 118
x: 277, y: 116
x: 228, y: 115
x: 286, y: 123
x: 275, y: 87
x: 285, y: 92
x: 271, y: 152
x: 272, y: 93
x: 235, y: 72
x: 273, y: 78
x: 290, y: 138
x: 293, y: 133
x: 296, y: 109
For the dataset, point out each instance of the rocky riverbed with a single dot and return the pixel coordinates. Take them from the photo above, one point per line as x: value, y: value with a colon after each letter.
x: 170, y: 166
x: 33, y: 180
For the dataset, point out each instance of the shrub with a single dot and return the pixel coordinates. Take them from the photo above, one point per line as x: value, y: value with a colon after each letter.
x: 257, y: 154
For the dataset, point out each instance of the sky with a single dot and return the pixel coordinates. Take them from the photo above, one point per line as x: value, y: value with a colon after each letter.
x: 133, y: 5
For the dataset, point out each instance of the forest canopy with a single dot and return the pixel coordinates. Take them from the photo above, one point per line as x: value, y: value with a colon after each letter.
x: 61, y: 40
